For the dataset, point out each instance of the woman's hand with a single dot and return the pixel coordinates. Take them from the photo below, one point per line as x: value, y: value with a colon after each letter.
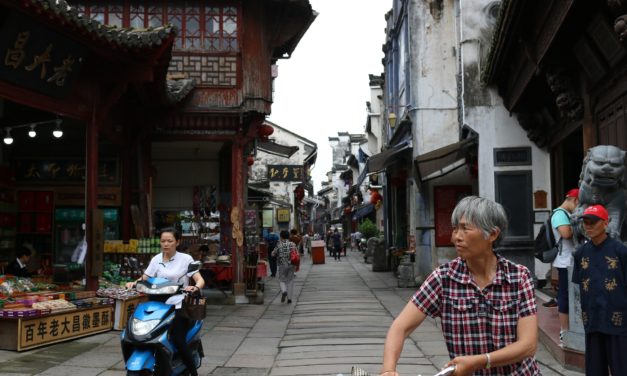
x: 130, y: 285
x: 390, y: 373
x: 466, y: 365
x: 191, y: 288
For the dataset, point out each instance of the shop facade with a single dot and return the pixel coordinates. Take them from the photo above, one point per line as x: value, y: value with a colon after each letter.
x: 157, y: 125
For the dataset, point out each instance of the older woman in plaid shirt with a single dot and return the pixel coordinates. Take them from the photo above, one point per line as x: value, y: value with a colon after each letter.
x: 485, y: 302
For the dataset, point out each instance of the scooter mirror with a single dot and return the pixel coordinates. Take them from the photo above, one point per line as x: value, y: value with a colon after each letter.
x: 193, y: 266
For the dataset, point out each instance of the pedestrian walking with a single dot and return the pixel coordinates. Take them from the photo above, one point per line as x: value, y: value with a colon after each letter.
x: 336, y: 239
x: 485, y: 302
x: 600, y: 270
x: 560, y: 221
x: 272, y: 241
x: 286, y: 269
x: 297, y: 239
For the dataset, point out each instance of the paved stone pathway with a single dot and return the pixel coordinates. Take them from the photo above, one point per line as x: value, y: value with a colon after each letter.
x: 339, y: 317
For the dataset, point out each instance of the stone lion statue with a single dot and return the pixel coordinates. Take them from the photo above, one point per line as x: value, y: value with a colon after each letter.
x: 602, y: 181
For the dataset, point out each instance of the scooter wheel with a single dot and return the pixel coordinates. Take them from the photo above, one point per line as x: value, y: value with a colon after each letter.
x: 138, y: 373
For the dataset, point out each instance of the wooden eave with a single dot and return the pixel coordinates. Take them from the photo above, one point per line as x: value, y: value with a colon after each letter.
x: 291, y: 19
x: 522, y: 48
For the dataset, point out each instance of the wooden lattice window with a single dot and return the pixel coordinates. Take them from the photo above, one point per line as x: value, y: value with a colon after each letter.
x: 115, y: 14
x: 200, y: 27
x: 97, y: 12
x: 220, y: 29
x: 154, y: 15
x: 137, y: 16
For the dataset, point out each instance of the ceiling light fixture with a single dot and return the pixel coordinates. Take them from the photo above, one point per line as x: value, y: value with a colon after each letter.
x: 32, y: 133
x: 58, y: 132
x: 7, y: 137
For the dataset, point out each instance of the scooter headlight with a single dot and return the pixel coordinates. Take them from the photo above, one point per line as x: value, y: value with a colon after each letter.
x: 141, y: 327
x: 165, y: 290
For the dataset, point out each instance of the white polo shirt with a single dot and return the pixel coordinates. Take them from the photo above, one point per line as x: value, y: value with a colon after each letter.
x: 175, y: 269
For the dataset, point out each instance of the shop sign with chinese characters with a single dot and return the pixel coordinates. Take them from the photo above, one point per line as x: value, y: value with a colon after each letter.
x: 35, y: 57
x: 285, y: 173
x: 283, y: 215
x: 63, y: 171
x: 58, y: 327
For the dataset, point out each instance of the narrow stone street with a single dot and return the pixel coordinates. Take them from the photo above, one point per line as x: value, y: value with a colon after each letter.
x: 338, y: 318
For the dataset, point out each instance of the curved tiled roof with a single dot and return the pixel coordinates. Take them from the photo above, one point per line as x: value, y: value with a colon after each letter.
x: 124, y: 38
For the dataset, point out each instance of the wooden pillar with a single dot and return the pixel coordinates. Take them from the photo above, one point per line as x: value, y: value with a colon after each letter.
x: 589, y: 128
x: 91, y: 198
x: 127, y: 160
x: 237, y: 225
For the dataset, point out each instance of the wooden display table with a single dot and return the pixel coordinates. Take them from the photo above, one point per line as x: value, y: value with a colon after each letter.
x: 124, y: 309
x: 317, y: 252
x: 29, y: 332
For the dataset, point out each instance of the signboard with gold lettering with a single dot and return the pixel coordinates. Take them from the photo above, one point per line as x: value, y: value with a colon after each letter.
x: 62, y: 326
x: 124, y: 310
x: 285, y: 173
x: 283, y: 215
x: 37, y: 58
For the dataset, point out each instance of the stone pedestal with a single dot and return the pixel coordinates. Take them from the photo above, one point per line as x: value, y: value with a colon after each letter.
x: 406, y: 274
x: 575, y: 337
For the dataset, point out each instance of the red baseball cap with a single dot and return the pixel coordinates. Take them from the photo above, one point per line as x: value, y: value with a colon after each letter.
x: 595, y: 212
x: 573, y: 193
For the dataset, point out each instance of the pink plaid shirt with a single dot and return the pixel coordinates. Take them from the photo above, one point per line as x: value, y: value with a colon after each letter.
x: 476, y: 321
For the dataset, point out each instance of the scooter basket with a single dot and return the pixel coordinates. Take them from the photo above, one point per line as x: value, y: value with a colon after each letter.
x: 194, y: 308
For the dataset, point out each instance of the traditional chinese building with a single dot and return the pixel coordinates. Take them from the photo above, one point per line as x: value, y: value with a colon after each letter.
x: 151, y: 114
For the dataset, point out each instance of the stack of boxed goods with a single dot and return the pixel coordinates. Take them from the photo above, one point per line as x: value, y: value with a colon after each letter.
x: 125, y: 303
x: 57, y: 316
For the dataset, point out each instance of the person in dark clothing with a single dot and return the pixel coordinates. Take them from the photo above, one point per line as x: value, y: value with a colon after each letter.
x: 272, y: 240
x: 18, y: 266
x: 337, y: 244
x: 600, y: 270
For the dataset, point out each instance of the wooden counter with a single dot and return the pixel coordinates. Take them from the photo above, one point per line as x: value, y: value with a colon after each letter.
x: 30, y: 332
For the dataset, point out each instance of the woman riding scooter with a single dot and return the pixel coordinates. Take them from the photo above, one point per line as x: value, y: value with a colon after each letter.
x: 173, y: 266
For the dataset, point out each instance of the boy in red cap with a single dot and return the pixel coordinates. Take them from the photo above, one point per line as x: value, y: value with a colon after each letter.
x: 563, y: 231
x: 601, y: 271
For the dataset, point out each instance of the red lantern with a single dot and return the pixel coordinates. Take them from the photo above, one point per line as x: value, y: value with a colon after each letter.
x: 265, y: 130
x: 250, y: 160
x: 375, y: 196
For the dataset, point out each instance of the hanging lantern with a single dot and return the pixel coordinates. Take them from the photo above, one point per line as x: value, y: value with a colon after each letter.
x: 265, y: 130
x: 250, y: 160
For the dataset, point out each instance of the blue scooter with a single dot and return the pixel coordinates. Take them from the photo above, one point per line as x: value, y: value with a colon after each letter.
x: 146, y: 344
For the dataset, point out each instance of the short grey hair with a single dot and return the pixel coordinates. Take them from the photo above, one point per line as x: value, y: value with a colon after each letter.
x: 483, y: 213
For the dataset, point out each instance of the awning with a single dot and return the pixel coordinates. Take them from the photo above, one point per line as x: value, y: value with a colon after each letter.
x: 381, y: 160
x: 440, y: 162
x: 272, y: 147
x: 363, y: 211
